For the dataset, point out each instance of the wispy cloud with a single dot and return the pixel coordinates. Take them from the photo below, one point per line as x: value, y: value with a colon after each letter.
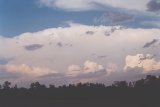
x: 85, y: 5
x: 114, y: 17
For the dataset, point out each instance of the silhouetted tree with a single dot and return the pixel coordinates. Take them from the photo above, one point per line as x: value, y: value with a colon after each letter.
x: 71, y: 86
x: 52, y: 86
x: 131, y: 85
x: 37, y: 85
x: 6, y: 85
x: 120, y: 84
x: 15, y: 87
x: 141, y: 93
x: 139, y: 83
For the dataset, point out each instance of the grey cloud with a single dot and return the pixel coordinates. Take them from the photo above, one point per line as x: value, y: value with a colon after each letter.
x: 147, y: 45
x: 4, y: 61
x: 53, y: 75
x: 102, y: 56
x: 33, y: 47
x: 99, y: 56
x: 107, y: 33
x: 96, y: 74
x: 90, y: 32
x: 120, y: 17
x: 146, y: 57
x: 101, y: 76
x: 50, y: 43
x: 70, y: 45
x: 59, y: 44
x: 112, y: 30
x: 7, y: 76
x: 88, y: 77
x: 114, y: 17
x: 154, y: 6
x: 131, y: 74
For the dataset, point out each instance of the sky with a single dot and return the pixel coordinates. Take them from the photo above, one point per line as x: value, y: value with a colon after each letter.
x: 70, y: 41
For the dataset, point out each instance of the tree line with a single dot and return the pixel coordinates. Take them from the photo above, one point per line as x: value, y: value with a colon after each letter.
x: 141, y: 93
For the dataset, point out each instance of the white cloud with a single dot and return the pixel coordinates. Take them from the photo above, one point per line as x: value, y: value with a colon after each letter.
x: 77, y: 46
x: 111, y: 67
x: 27, y: 70
x: 83, y: 5
x: 88, y: 67
x: 71, y: 5
x: 147, y: 62
x: 74, y: 70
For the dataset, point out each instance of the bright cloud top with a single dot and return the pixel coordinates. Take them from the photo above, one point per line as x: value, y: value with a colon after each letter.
x: 147, y: 62
x: 88, y: 67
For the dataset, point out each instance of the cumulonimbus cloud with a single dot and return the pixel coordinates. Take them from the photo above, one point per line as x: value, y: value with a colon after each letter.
x: 91, y: 50
x: 76, y: 45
